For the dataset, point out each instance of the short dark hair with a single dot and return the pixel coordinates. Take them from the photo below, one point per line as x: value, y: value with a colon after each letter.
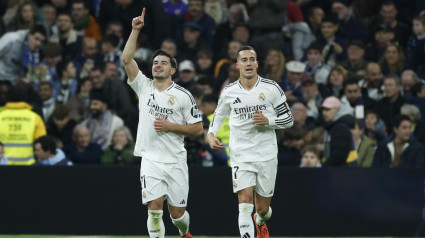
x: 37, y: 28
x: 66, y: 14
x: 315, y: 46
x: 112, y: 39
x: 310, y: 148
x: 293, y: 133
x: 60, y: 112
x: 52, y: 49
x: 372, y: 112
x: 331, y: 19
x: 46, y: 83
x: 388, y: 3
x: 1, y: 144
x: 399, y: 119
x: 47, y: 143
x: 417, y: 88
x: 359, y: 123
x: 245, y: 47
x: 211, y: 98
x: 202, y: 1
x: 17, y: 94
x: 173, y: 61
x: 85, y: 4
x: 350, y: 82
x: 61, y: 66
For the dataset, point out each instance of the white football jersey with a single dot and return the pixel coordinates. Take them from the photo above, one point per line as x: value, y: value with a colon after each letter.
x: 249, y: 142
x: 175, y: 104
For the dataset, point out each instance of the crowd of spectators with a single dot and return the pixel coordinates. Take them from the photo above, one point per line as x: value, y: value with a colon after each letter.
x: 351, y: 70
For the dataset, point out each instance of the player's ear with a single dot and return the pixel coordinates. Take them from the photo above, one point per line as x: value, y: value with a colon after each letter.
x: 173, y: 71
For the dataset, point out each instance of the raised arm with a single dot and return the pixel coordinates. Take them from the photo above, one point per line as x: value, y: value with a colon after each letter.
x: 130, y: 47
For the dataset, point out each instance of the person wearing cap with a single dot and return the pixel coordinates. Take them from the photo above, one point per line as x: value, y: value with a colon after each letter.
x: 339, y: 144
x: 355, y: 64
x: 349, y: 27
x: 192, y: 43
x: 315, y: 68
x: 102, y: 122
x: 187, y: 74
x: 291, y: 85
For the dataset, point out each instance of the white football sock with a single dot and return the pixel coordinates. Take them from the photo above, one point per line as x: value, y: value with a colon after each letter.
x: 262, y: 219
x: 156, y: 227
x: 182, y: 223
x: 246, y: 226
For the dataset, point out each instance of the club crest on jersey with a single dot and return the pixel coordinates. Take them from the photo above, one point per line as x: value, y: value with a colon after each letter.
x: 262, y: 97
x: 171, y: 101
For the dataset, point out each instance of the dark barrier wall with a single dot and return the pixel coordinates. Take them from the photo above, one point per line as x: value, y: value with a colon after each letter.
x: 307, y: 202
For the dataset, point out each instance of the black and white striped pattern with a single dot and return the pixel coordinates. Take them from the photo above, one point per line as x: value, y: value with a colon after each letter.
x: 284, y: 121
x: 281, y: 109
x: 187, y: 93
x: 263, y: 80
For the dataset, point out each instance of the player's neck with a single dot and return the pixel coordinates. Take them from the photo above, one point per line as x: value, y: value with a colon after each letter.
x: 248, y: 83
x: 162, y: 84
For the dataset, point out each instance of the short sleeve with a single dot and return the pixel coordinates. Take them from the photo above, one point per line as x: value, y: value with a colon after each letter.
x: 190, y: 111
x: 139, y: 82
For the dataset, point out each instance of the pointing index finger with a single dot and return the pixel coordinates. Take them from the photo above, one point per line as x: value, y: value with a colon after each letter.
x: 143, y: 13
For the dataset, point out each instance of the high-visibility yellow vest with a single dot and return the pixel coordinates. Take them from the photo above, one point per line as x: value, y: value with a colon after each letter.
x: 18, y: 130
x: 224, y: 133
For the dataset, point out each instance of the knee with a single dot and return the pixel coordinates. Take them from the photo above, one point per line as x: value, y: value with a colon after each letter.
x: 155, y: 205
x: 177, y: 213
x: 245, y: 199
x: 262, y: 210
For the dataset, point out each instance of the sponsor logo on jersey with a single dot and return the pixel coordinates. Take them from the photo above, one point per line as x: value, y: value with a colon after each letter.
x: 157, y: 111
x: 262, y: 97
x: 237, y: 100
x: 248, y: 111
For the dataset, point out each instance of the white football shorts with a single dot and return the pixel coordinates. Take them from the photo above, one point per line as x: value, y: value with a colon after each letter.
x: 170, y: 180
x: 260, y: 175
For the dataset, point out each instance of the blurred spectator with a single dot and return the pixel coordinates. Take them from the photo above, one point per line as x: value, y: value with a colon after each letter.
x: 389, y: 106
x: 61, y: 126
x: 204, y: 63
x: 416, y: 44
x: 88, y: 58
x: 4, y: 89
x: 224, y: 31
x: 84, y: 23
x: 115, y: 27
x: 114, y: 90
x: 83, y: 150
x: 217, y: 9
x: 208, y: 106
x: 46, y: 153
x: 111, y: 53
x: 144, y: 49
x: 401, y: 151
x: 274, y: 66
x: 339, y: 143
x: 175, y: 7
x: 312, y: 97
x: 353, y: 98
x: 232, y: 76
x: 71, y: 43
x: 121, y: 149
x: 196, y: 14
x: 388, y: 13
x: 355, y: 63
x: 408, y: 80
x: 417, y: 98
x: 3, y: 157
x: 242, y: 33
x: 19, y: 51
x: 45, y: 91
x: 292, y: 84
x: 25, y: 17
x: 204, y: 83
x: 65, y: 85
x: 393, y: 60
x: 372, y: 84
x: 156, y: 26
x: 349, y: 27
x: 20, y: 127
x: 374, y: 126
x: 9, y: 12
x: 187, y: 74
x: 418, y: 130
x: 315, y: 17
x: 335, y: 83
x: 192, y: 43
x: 301, y: 120
x: 383, y: 36
x: 310, y: 157
x: 334, y: 47
x: 52, y: 56
x: 315, y: 68
x: 289, y: 148
x: 267, y: 31
x: 365, y: 146
x: 221, y: 70
x: 79, y: 105
x: 102, y: 122
x: 62, y: 5
x: 170, y: 46
x: 49, y: 13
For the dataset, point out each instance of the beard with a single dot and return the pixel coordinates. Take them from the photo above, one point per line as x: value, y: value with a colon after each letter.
x: 95, y: 113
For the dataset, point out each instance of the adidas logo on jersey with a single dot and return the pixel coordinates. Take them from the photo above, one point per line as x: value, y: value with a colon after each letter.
x: 182, y: 202
x: 246, y: 235
x: 237, y: 101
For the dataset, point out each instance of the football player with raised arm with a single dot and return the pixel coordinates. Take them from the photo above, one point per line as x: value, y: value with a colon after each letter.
x: 167, y: 112
x: 257, y: 106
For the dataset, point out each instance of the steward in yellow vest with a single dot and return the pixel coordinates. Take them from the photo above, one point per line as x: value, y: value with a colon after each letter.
x: 19, y: 127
